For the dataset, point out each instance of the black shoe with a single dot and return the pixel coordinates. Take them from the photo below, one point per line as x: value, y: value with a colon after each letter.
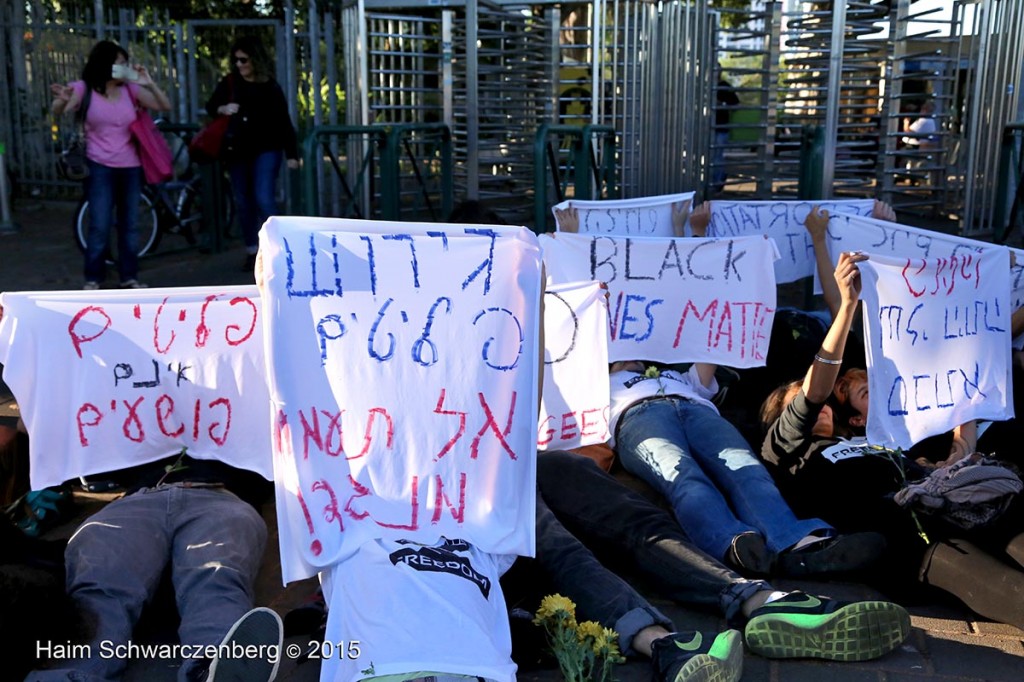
x: 749, y: 554
x: 804, y: 626
x: 698, y: 657
x: 841, y: 554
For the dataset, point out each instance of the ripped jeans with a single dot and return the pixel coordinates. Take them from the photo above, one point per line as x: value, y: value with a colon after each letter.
x: 716, y: 485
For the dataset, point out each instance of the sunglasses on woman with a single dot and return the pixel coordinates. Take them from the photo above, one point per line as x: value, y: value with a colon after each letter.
x: 241, y: 60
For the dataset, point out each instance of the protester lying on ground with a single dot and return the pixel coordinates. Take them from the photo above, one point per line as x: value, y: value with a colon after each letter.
x: 667, y: 432
x: 1001, y: 439
x: 190, y: 517
x: 580, y: 506
x: 852, y: 484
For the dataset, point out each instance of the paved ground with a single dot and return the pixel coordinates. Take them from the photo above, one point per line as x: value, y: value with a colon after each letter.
x: 947, y: 643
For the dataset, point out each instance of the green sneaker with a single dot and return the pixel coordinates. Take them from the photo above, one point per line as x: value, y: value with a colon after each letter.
x: 801, y: 625
x: 698, y: 657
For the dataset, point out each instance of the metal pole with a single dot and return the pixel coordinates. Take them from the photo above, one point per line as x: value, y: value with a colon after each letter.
x: 835, y: 75
x: 7, y: 225
x: 97, y: 9
x: 447, y: 79
x: 314, y: 61
x: 179, y: 68
x: 291, y: 87
x: 983, y: 28
x: 195, y: 108
x: 765, y: 185
x: 472, y: 102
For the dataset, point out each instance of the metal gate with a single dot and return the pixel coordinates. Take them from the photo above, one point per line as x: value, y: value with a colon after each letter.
x: 829, y: 76
x: 743, y: 144
x: 648, y: 70
x: 997, y: 55
x: 485, y: 74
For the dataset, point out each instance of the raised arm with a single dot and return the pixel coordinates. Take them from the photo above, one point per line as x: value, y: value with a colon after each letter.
x: 821, y: 377
x: 65, y: 99
x: 150, y: 95
x: 816, y: 223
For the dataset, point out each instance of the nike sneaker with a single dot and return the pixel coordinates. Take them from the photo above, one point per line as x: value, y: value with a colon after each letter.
x: 698, y: 657
x: 801, y: 625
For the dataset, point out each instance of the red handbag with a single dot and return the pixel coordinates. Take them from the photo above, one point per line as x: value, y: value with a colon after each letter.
x: 206, y: 144
x: 157, y: 161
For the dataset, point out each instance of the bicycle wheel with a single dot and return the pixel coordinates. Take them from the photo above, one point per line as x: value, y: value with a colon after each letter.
x: 146, y: 222
x: 190, y: 208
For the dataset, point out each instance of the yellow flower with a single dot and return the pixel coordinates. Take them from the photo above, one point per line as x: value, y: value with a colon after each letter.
x: 652, y: 372
x: 592, y: 630
x: 608, y: 646
x: 555, y: 607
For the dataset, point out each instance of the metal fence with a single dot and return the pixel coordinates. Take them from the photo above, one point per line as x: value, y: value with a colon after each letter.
x: 744, y: 135
x: 496, y: 70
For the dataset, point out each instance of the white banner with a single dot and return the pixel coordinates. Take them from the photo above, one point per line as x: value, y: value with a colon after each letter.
x: 937, y: 333
x: 574, y: 405
x: 112, y: 379
x: 403, y: 368
x: 851, y: 233
x: 676, y: 300
x: 783, y: 221
x: 640, y: 217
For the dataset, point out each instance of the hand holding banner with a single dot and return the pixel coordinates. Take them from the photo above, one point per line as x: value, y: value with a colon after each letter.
x: 657, y: 216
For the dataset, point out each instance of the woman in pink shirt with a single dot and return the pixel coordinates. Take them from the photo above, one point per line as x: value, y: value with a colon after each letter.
x: 106, y: 100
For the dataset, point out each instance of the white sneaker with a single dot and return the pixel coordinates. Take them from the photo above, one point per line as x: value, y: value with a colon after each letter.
x: 91, y: 286
x: 133, y: 284
x: 260, y: 628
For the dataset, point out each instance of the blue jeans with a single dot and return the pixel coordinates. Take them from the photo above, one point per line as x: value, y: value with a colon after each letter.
x: 254, y: 182
x: 214, y: 544
x: 581, y: 508
x: 716, y: 485
x: 109, y: 188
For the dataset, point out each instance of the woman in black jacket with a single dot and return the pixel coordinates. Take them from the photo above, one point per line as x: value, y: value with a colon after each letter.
x: 259, y: 136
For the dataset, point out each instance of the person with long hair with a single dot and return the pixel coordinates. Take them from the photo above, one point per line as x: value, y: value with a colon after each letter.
x: 259, y: 136
x: 815, y: 447
x: 107, y: 95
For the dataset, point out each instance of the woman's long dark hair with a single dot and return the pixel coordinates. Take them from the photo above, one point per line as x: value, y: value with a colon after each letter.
x: 97, y: 67
x: 262, y: 66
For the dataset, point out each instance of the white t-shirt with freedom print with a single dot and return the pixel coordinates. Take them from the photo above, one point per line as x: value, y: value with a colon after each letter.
x: 628, y: 388
x: 411, y: 607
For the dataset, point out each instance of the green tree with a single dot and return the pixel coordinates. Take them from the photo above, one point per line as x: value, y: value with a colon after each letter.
x: 735, y: 19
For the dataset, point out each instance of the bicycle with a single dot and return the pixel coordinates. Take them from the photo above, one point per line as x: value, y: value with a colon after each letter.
x: 172, y: 207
